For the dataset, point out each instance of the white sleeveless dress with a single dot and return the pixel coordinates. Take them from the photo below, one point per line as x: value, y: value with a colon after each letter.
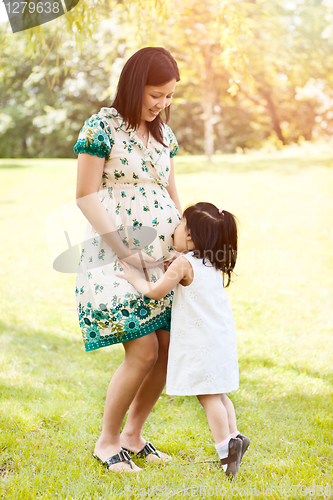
x: 203, y: 347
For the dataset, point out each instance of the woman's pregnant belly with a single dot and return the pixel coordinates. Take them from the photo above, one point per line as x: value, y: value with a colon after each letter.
x: 145, y: 215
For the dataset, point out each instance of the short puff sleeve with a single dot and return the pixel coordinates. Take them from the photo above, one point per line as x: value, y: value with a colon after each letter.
x: 172, y: 141
x: 95, y: 138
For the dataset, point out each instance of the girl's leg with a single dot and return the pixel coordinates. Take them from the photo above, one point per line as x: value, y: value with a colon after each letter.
x: 231, y: 413
x: 232, y: 423
x: 146, y: 397
x: 140, y: 357
x: 217, y: 416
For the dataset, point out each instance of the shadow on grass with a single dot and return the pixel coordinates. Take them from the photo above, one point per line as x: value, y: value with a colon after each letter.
x: 51, y: 359
x: 250, y: 364
x: 13, y: 165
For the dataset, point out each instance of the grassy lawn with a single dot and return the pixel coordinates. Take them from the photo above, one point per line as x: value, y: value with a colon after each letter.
x: 52, y: 392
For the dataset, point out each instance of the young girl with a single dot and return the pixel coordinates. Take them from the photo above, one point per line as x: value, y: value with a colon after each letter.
x: 203, y: 351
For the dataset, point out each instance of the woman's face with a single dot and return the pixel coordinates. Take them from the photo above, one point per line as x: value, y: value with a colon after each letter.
x: 155, y: 99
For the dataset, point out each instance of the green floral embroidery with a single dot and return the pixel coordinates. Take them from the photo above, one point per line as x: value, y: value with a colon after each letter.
x: 95, y: 138
x: 121, y: 321
x: 143, y: 311
x: 118, y: 174
x: 144, y: 166
x: 104, y: 176
x: 132, y: 324
x: 101, y: 254
x: 155, y: 222
x: 124, y: 161
x: 149, y: 250
x: 136, y: 223
x: 92, y: 333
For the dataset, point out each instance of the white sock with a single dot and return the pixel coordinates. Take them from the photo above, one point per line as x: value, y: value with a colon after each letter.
x: 234, y: 434
x: 223, y: 450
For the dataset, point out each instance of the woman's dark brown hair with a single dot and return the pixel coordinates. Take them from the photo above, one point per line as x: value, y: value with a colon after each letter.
x: 214, y: 236
x: 148, y: 66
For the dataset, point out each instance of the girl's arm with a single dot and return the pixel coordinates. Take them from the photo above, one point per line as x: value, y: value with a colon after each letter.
x: 89, y: 176
x: 179, y: 270
x: 171, y: 188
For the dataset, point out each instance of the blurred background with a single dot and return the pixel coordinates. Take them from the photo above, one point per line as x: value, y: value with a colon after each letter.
x: 254, y: 74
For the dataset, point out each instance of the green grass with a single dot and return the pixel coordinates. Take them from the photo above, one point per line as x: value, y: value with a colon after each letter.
x: 52, y: 392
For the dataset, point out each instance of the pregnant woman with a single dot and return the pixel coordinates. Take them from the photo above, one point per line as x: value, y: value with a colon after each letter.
x: 126, y: 190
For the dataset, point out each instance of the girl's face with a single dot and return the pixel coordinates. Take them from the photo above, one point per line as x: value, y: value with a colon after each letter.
x: 155, y: 99
x: 181, y: 237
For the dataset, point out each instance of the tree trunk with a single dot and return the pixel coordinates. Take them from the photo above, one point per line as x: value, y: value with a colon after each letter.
x: 272, y: 113
x: 209, y: 130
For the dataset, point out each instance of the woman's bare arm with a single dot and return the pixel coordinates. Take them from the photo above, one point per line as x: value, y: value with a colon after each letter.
x: 89, y: 177
x: 172, y: 189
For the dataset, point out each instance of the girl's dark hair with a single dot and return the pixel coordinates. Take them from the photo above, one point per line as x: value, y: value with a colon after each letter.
x: 214, y: 236
x: 148, y: 66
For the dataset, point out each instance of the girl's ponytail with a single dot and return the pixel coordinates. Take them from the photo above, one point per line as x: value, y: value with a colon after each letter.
x: 225, y: 251
x: 214, y: 235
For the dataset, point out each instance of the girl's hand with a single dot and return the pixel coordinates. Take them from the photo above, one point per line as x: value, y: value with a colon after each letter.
x: 130, y: 273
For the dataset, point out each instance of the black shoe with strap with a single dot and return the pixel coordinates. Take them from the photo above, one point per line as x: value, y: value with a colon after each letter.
x: 234, y: 457
x: 122, y: 456
x: 245, y: 443
x: 148, y: 449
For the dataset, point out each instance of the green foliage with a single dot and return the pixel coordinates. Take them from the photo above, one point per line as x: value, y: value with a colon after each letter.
x: 252, y: 72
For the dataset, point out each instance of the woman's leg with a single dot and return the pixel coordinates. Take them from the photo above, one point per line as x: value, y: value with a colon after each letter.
x: 231, y: 413
x: 140, y: 357
x: 217, y: 416
x: 146, y: 397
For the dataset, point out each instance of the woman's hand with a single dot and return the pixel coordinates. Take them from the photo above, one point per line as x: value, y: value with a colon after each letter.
x: 130, y: 273
x: 141, y: 260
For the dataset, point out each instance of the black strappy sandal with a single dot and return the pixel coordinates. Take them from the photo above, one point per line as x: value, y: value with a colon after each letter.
x: 148, y: 449
x: 122, y: 456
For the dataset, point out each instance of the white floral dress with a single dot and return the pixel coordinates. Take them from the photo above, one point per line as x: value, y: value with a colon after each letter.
x: 133, y: 191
